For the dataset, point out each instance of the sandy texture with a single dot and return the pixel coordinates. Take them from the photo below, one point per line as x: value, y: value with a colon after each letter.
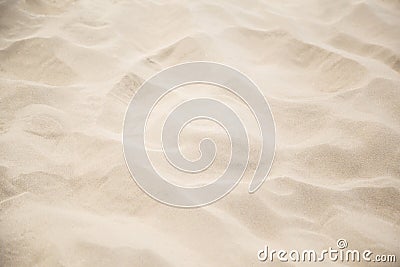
x: 68, y: 69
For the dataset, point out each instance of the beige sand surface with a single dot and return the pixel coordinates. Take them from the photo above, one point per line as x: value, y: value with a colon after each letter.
x: 68, y: 69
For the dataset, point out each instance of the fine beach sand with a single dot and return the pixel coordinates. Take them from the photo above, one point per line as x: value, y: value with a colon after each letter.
x: 330, y: 71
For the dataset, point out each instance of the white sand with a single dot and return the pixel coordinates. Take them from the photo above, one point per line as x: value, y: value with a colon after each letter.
x: 329, y: 69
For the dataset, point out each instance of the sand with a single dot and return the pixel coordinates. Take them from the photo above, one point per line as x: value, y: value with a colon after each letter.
x: 68, y: 69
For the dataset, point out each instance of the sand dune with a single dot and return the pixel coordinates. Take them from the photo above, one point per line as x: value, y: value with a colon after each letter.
x: 68, y: 69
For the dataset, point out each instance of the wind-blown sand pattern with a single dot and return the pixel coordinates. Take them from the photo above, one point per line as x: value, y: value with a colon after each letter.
x: 68, y: 69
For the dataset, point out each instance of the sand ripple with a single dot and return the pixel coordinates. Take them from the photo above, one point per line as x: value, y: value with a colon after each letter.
x: 68, y: 69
